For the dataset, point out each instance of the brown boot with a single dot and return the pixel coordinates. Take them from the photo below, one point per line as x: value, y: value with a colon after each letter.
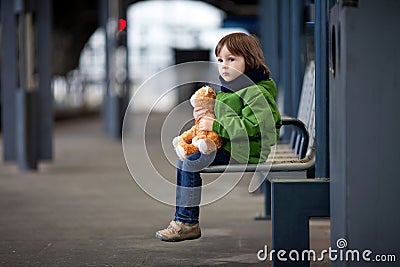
x: 178, y: 231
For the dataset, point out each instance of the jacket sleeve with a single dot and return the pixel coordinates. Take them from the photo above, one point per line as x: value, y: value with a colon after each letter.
x: 247, y: 123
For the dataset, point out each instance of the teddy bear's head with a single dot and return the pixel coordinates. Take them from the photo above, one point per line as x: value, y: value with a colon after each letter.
x: 204, y: 97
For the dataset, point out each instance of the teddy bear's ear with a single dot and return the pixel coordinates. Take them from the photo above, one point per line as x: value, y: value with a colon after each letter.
x: 192, y: 100
x: 210, y: 92
x: 205, y: 91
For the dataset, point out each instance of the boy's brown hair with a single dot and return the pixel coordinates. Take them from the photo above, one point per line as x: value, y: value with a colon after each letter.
x: 247, y: 46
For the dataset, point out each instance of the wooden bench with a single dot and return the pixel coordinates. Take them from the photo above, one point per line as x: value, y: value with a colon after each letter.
x: 291, y: 202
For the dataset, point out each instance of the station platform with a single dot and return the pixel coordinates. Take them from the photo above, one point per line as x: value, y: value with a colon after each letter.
x: 85, y: 209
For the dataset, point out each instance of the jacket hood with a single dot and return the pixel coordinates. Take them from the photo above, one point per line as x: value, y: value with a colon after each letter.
x: 270, y: 86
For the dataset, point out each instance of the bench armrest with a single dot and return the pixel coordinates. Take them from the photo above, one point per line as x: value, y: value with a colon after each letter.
x: 302, y: 130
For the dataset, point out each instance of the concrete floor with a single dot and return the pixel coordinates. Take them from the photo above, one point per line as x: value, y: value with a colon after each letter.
x: 84, y: 209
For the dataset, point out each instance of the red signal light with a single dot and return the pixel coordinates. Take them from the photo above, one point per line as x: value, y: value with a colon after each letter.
x: 122, y: 25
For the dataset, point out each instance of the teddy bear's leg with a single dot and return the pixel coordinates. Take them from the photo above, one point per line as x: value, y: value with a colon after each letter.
x: 180, y: 152
x: 206, y: 146
x: 184, y: 149
x: 176, y: 141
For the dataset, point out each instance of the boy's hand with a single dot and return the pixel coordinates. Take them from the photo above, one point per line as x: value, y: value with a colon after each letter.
x: 206, y: 124
x: 199, y: 112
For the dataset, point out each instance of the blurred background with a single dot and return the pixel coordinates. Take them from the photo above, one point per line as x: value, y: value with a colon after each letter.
x: 68, y: 59
x: 160, y: 34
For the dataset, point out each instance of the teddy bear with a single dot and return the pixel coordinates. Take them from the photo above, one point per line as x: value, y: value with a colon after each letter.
x: 194, y: 140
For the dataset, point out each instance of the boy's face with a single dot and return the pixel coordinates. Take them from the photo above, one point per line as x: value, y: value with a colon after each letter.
x: 230, y: 66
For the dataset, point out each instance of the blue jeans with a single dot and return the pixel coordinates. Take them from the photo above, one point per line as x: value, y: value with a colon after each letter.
x: 188, y: 190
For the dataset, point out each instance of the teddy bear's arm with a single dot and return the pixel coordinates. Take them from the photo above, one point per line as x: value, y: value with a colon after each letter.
x: 189, y: 134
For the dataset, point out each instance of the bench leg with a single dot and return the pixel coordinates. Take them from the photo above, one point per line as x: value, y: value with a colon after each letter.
x: 294, y: 201
x: 266, y: 188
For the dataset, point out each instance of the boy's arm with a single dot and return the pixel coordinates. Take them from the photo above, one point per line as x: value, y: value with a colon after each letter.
x: 255, y: 113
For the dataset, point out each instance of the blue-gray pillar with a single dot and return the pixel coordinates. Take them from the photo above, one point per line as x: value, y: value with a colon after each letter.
x: 270, y: 37
x: 109, y: 103
x: 123, y: 41
x: 297, y: 54
x: 364, y: 129
x: 115, y: 95
x: 321, y: 89
x: 45, y: 97
x: 26, y: 93
x: 285, y: 66
x: 26, y: 76
x: 8, y: 79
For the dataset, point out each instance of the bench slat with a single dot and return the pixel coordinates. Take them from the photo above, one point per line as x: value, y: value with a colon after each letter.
x: 292, y: 165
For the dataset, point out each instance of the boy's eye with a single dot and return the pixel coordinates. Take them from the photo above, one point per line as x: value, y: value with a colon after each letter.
x: 220, y: 60
x: 231, y: 59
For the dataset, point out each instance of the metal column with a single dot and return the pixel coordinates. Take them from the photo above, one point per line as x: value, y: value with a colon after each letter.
x: 364, y: 141
x: 115, y: 97
x: 285, y: 69
x: 321, y: 89
x: 26, y: 97
x: 270, y: 37
x: 45, y: 97
x: 297, y: 54
x: 8, y: 79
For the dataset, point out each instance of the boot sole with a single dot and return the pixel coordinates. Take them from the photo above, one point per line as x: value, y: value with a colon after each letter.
x: 175, y: 239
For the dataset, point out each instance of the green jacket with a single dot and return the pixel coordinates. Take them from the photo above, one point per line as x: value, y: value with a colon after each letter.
x: 247, y: 125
